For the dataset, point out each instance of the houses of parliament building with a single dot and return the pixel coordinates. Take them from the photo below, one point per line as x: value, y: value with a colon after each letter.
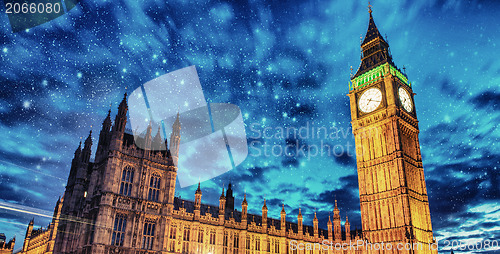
x: 124, y: 202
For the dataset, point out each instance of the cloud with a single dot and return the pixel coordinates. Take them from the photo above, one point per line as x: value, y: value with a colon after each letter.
x: 487, y: 100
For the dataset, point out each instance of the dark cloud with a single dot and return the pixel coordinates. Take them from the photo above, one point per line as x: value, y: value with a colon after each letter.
x: 487, y: 100
x: 345, y: 159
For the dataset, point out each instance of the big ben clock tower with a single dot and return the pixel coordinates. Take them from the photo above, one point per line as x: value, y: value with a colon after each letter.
x: 393, y: 195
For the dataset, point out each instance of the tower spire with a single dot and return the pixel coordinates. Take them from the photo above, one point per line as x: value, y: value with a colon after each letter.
x: 86, y: 152
x: 175, y: 139
x: 121, y: 116
x: 375, y: 49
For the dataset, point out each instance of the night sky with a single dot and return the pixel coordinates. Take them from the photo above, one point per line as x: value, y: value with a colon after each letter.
x: 286, y: 64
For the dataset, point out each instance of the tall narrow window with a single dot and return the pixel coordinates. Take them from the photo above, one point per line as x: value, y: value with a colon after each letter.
x: 154, y: 188
x: 212, y: 237
x: 119, y: 230
x: 127, y: 179
x: 186, y: 234
x: 172, y: 246
x: 173, y: 232
x: 185, y: 247
x: 236, y: 243
x: 225, y: 243
x: 200, y: 236
x: 148, y: 235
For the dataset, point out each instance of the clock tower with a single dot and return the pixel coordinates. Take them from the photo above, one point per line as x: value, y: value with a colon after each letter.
x: 393, y: 195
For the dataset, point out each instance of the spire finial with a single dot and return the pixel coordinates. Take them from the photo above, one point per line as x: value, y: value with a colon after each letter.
x: 369, y: 8
x: 222, y: 195
x: 198, y: 191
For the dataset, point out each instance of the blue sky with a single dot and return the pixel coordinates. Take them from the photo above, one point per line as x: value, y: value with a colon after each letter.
x: 286, y: 65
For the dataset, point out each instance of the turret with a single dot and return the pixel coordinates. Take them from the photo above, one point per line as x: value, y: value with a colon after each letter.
x: 148, y: 138
x: 28, y: 235
x: 244, y: 209
x: 229, y: 198
x: 299, y: 222
x: 283, y: 220
x: 87, y: 149
x: 315, y: 225
x: 57, y: 210
x: 222, y: 207
x: 75, y: 163
x: 157, y: 144
x: 119, y: 126
x: 337, y: 230
x: 175, y: 140
x: 197, y: 203
x: 78, y: 152
x: 197, y: 199
x: 330, y: 238
x: 104, y: 138
x: 121, y: 116
x: 347, y: 229
x: 264, y: 217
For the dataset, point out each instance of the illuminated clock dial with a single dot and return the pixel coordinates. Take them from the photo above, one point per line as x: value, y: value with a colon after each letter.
x: 404, y: 98
x: 370, y: 100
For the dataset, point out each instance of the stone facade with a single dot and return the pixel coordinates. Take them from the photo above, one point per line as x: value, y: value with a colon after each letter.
x: 42, y: 240
x: 6, y: 247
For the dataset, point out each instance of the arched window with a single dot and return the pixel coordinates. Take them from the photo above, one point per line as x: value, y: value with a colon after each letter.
x: 127, y: 179
x: 119, y: 230
x: 154, y: 188
x: 148, y: 235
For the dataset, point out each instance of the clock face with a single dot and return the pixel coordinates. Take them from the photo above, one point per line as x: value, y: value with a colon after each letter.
x: 405, y: 99
x: 370, y: 100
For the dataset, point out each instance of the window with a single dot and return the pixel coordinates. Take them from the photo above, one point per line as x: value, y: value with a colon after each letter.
x: 119, y: 230
x: 257, y: 244
x: 225, y: 243
x: 276, y: 246
x: 185, y: 247
x: 212, y: 237
x: 224, y: 240
x: 186, y: 234
x: 173, y: 232
x: 148, y: 235
x: 294, y: 250
x: 248, y: 243
x: 200, y: 236
x: 154, y: 188
x: 127, y: 179
x: 236, y: 244
x: 172, y: 246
